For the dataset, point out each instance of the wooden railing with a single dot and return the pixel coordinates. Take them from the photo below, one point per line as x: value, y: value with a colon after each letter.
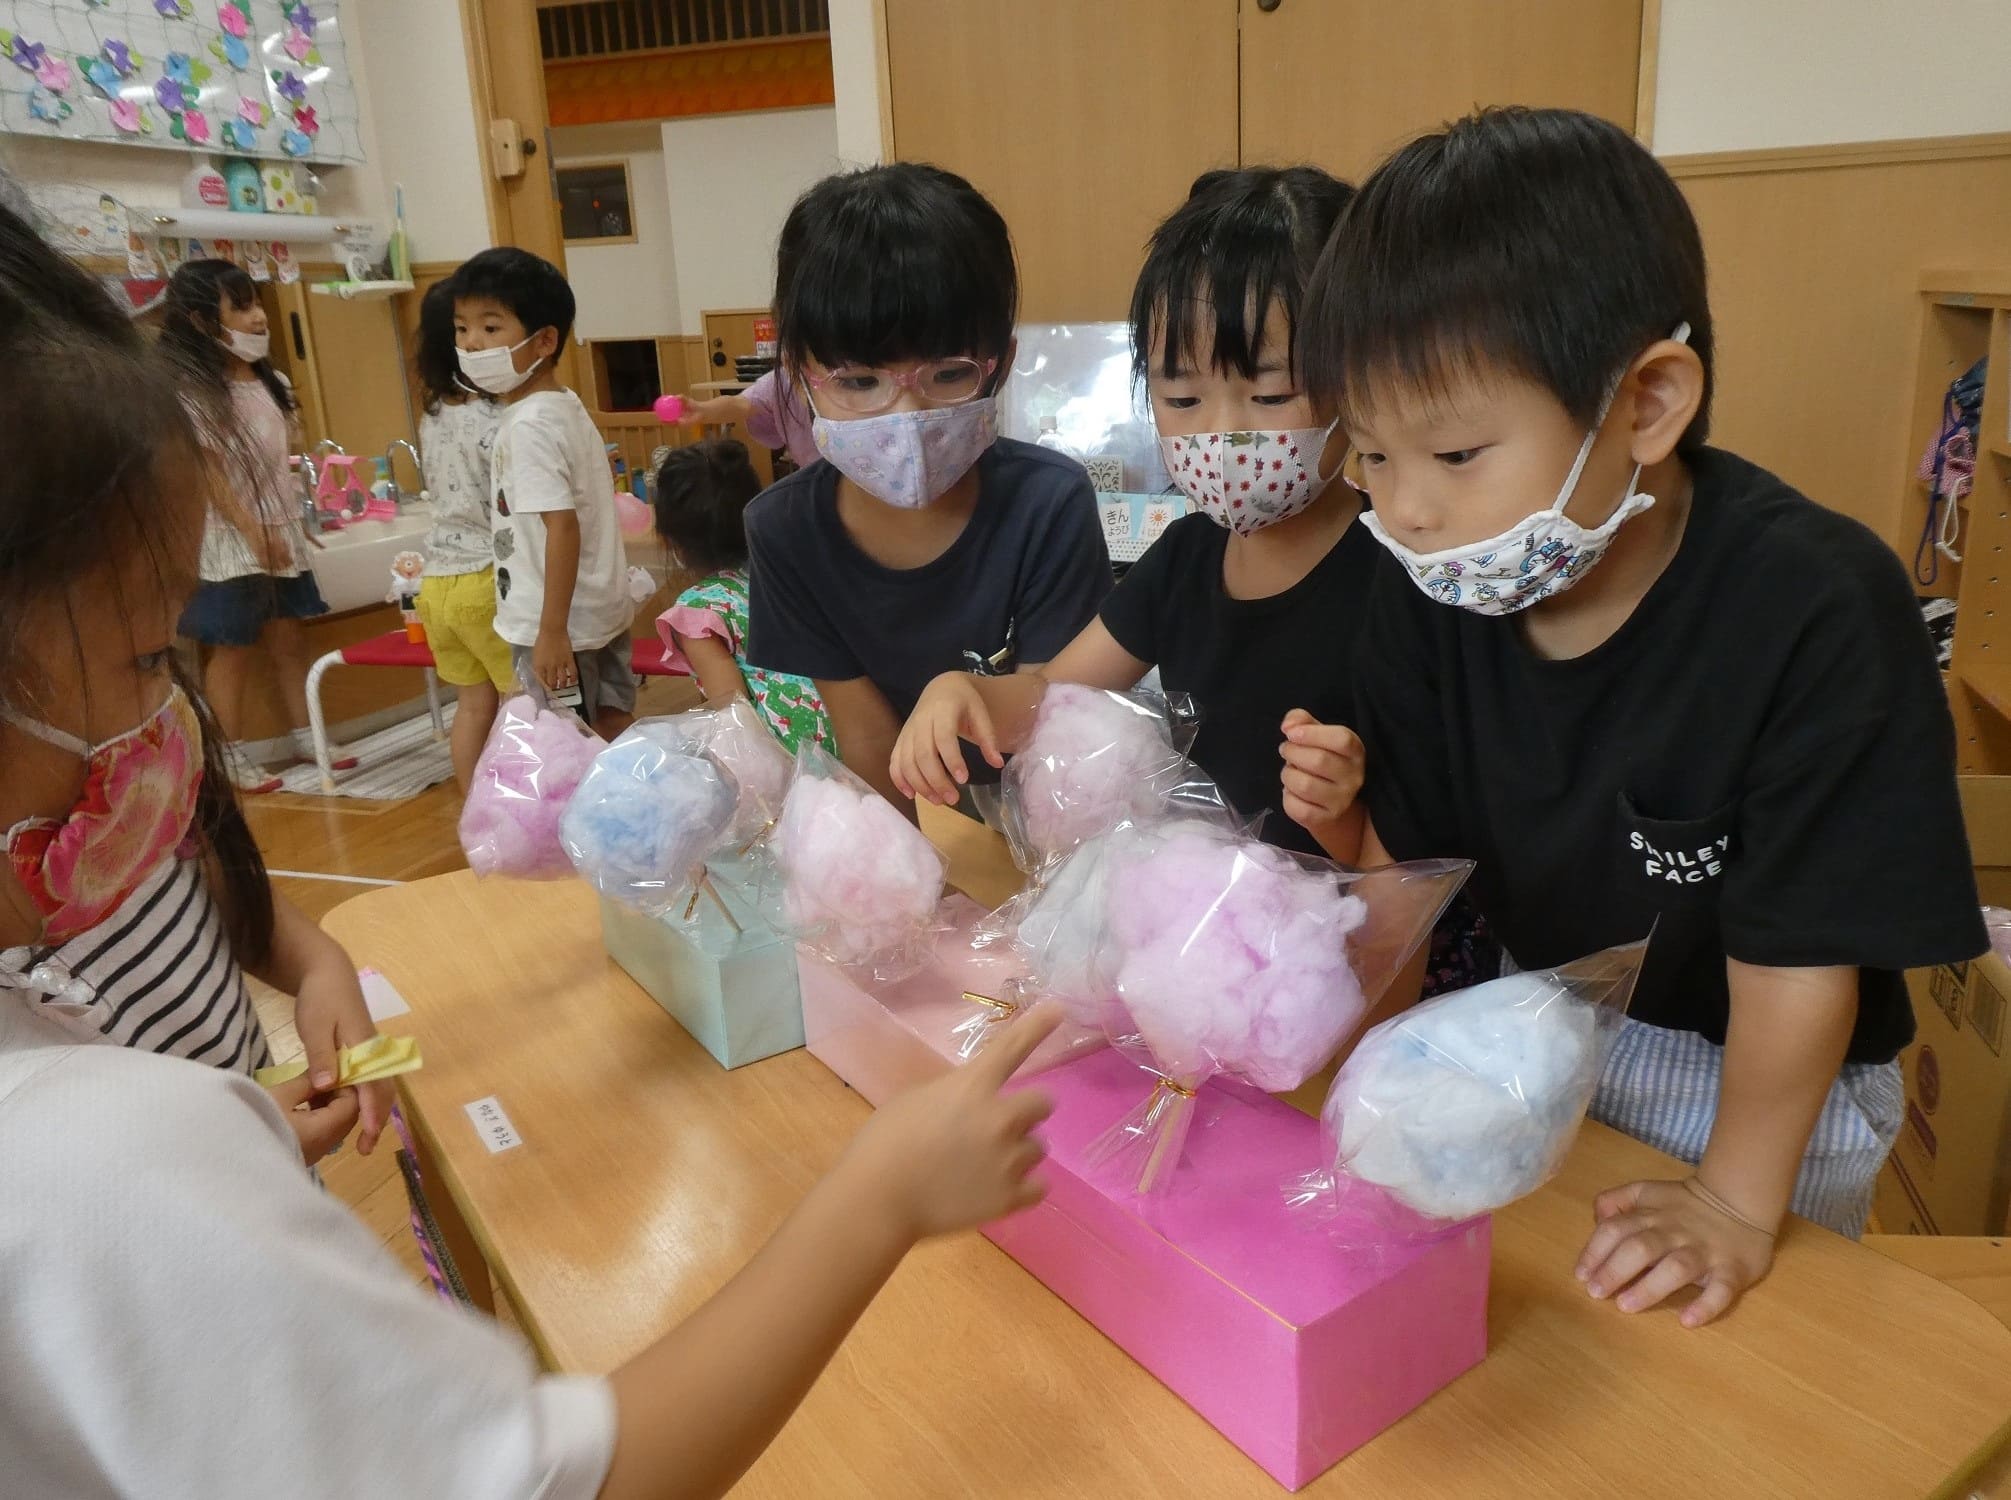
x: 574, y: 29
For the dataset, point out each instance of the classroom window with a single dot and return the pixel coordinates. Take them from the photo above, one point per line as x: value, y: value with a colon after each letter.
x: 594, y: 203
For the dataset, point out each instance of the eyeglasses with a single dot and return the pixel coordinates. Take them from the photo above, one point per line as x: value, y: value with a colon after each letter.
x: 863, y: 391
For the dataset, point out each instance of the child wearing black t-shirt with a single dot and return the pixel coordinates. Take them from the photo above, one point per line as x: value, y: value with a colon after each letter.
x: 1251, y: 603
x: 923, y: 539
x: 1643, y: 683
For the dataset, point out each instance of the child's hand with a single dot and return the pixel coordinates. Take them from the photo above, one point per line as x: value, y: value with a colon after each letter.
x: 956, y: 1152
x: 552, y: 660
x: 1324, y: 765
x: 329, y: 1013
x: 928, y: 761
x: 319, y: 1120
x: 1655, y: 1238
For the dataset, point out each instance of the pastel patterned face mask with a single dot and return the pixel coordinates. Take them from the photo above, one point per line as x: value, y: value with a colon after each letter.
x: 909, y: 459
x: 1248, y: 480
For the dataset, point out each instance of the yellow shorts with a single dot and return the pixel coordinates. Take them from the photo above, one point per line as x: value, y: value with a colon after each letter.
x: 459, y: 613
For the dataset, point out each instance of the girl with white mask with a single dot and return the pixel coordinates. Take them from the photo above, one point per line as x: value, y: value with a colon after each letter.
x: 1250, y: 603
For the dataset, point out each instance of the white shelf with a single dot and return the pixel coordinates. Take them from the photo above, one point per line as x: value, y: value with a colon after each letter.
x: 223, y: 224
x: 351, y: 291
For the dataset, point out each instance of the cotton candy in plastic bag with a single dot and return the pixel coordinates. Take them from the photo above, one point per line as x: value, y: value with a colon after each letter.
x: 1096, y: 759
x: 734, y: 737
x: 1219, y: 954
x: 1467, y: 1102
x: 860, y: 883
x: 647, y: 816
x: 535, y: 758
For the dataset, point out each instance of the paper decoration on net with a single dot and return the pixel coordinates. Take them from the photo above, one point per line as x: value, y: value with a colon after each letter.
x: 55, y: 75
x: 305, y: 120
x: 231, y: 51
x: 26, y: 55
x: 175, y: 10
x: 239, y: 135
x: 131, y: 117
x: 191, y: 125
x: 51, y: 109
x: 293, y: 143
x: 288, y: 85
x: 233, y: 17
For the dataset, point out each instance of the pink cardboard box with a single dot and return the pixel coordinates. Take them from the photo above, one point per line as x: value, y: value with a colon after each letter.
x: 1294, y: 1349
x: 884, y: 1038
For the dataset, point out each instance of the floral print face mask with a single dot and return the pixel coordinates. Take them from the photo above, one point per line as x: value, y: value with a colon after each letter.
x: 908, y: 459
x: 135, y: 810
x: 1248, y: 480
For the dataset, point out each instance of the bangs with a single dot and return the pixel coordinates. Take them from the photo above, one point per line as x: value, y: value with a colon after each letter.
x: 1194, y: 287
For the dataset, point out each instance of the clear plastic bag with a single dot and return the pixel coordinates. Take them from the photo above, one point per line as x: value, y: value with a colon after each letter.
x: 1214, y: 953
x: 1096, y: 759
x: 1467, y: 1102
x: 647, y: 816
x: 535, y: 758
x: 860, y: 883
x: 736, y: 739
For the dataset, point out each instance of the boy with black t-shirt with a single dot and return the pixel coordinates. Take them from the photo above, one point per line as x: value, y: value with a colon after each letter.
x: 1670, y: 693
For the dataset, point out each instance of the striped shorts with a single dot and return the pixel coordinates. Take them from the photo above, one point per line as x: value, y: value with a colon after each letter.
x: 1661, y: 1087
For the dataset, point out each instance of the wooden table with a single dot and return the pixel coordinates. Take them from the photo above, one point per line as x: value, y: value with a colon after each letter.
x: 647, y: 1175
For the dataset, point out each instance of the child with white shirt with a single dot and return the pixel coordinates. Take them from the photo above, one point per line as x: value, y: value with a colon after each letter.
x: 562, y: 600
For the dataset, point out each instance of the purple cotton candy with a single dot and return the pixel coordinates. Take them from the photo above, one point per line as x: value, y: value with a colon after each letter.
x: 528, y: 771
x: 860, y: 884
x: 1229, y: 956
x: 1091, y: 762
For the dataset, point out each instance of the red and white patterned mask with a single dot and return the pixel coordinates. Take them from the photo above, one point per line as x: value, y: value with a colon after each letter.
x: 1248, y: 480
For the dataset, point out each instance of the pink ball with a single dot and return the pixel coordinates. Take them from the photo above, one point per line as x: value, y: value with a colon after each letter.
x: 860, y: 884
x: 669, y: 408
x: 1090, y: 763
x: 1229, y: 956
x: 535, y: 759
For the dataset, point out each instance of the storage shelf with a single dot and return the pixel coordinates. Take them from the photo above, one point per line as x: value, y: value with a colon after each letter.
x: 351, y: 291
x: 1991, y: 684
x: 226, y: 224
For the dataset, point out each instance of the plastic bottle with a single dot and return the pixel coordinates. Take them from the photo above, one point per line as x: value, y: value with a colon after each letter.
x: 204, y: 186
x: 247, y: 189
x: 1050, y: 437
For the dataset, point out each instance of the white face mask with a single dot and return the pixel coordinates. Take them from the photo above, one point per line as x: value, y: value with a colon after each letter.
x: 249, y: 347
x: 909, y: 459
x: 1248, y: 480
x: 1540, y: 556
x: 495, y: 370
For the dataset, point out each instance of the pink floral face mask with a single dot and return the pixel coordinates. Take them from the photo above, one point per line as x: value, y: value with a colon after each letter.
x: 136, y: 808
x: 1248, y: 480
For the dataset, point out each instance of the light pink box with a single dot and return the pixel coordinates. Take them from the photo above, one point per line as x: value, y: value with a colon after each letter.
x: 884, y: 1038
x: 1297, y: 1351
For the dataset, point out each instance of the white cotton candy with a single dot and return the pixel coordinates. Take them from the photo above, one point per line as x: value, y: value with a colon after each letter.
x: 1228, y: 955
x: 645, y: 818
x: 1060, y: 934
x: 1094, y: 759
x: 1472, y: 1100
x: 860, y: 882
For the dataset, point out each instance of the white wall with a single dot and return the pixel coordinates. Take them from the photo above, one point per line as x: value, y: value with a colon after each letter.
x: 1740, y: 75
x: 855, y: 76
x: 421, y: 103
x: 625, y: 291
x: 732, y: 179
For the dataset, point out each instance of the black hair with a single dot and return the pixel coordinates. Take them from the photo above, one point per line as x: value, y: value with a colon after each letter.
x: 191, y: 327
x: 700, y: 494
x: 126, y: 479
x: 1245, y: 239
x: 531, y: 287
x: 1543, y: 243
x: 898, y: 262
x: 435, y: 361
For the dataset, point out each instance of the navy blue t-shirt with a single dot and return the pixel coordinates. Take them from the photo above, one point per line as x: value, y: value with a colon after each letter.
x: 1030, y: 568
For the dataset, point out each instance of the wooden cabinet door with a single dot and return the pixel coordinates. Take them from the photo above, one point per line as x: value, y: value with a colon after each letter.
x: 1083, y: 120
x: 1341, y: 83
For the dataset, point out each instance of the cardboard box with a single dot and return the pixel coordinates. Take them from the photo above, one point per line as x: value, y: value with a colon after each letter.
x: 884, y: 1038
x: 1296, y: 1351
x: 1950, y: 1170
x: 727, y: 975
x: 1986, y: 814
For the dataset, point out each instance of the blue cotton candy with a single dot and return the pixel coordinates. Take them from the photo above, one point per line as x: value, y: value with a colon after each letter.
x: 644, y: 820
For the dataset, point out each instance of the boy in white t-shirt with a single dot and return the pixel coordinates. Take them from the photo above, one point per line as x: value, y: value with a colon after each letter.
x: 562, y: 597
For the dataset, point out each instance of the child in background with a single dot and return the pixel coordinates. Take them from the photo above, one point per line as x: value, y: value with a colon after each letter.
x: 926, y: 540
x: 256, y: 588
x: 132, y: 889
x: 457, y: 602
x: 562, y: 599
x: 1644, y: 683
x: 701, y: 496
x: 774, y: 411
x: 1251, y: 602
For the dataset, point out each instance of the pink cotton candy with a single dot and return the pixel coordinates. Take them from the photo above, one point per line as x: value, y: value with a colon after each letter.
x: 1229, y: 956
x: 1094, y: 759
x: 860, y: 884
x: 535, y: 759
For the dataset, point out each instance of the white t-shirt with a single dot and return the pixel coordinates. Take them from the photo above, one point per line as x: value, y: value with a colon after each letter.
x: 264, y: 440
x: 187, y: 1316
x: 457, y: 442
x: 549, y: 456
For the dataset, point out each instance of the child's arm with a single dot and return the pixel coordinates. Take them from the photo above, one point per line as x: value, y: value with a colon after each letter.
x: 697, y: 1408
x: 328, y: 1009
x: 865, y: 724
x: 552, y: 656
x: 1784, y: 1044
x: 995, y: 713
x: 717, y: 673
x: 1323, y: 781
x: 720, y: 411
